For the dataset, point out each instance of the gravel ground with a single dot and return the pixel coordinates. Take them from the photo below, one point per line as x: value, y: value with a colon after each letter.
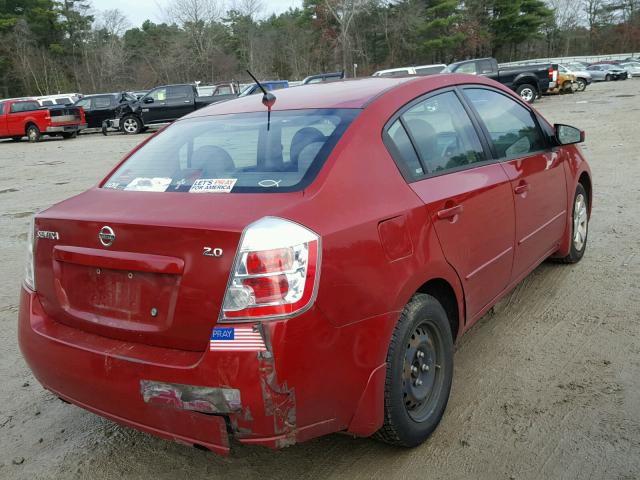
x: 545, y: 386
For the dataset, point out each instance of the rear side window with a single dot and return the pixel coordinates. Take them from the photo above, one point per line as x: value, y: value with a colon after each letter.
x: 24, y: 106
x: 485, y: 66
x: 179, y: 92
x: 429, y: 70
x: 442, y: 134
x: 512, y: 129
x: 101, y: 102
x: 63, y: 101
x: 408, y: 160
x: 236, y: 153
x: 2, y: 108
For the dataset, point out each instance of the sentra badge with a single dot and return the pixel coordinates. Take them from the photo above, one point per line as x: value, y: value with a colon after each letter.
x: 48, y: 235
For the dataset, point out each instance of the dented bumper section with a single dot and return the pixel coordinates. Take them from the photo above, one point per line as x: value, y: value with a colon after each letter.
x: 291, y: 387
x: 191, y: 397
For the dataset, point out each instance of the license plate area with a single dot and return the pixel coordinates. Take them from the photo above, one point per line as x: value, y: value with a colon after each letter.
x: 121, y: 299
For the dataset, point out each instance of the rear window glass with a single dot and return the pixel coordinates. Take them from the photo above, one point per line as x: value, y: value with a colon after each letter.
x: 235, y: 153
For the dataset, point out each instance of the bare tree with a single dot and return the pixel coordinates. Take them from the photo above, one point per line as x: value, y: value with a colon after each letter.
x: 344, y: 12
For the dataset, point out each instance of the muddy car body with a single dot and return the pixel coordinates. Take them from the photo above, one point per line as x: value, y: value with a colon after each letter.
x: 274, y: 278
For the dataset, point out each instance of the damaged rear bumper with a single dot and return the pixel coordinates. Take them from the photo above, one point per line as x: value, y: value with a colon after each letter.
x: 293, y: 391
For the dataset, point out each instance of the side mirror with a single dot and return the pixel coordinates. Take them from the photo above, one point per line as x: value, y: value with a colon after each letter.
x: 568, y: 135
x: 148, y: 100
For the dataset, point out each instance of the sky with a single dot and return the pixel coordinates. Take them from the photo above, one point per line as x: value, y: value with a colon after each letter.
x: 137, y: 11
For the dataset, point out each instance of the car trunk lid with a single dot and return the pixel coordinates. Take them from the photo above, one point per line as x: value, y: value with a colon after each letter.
x: 145, y: 278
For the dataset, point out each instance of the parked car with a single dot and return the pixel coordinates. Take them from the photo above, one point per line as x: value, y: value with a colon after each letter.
x: 323, y: 77
x: 421, y: 70
x: 253, y: 88
x: 162, y: 105
x: 139, y: 93
x: 632, y: 68
x: 567, y: 81
x: 604, y: 72
x: 60, y: 99
x: 220, y: 90
x: 215, y: 285
x: 528, y: 81
x: 101, y: 107
x: 583, y: 77
x: 20, y: 118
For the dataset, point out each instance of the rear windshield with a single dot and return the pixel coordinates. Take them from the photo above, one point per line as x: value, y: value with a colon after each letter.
x: 235, y: 153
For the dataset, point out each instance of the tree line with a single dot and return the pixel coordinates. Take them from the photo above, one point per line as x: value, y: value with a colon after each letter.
x: 50, y: 46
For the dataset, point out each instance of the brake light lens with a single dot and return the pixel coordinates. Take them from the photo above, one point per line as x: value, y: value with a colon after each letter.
x: 275, y: 273
x: 553, y: 74
x: 29, y: 277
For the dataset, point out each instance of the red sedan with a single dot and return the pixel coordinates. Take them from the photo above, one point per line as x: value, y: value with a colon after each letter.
x: 272, y: 276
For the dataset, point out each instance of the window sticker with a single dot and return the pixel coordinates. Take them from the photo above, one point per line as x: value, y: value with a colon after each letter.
x: 158, y: 184
x: 213, y: 185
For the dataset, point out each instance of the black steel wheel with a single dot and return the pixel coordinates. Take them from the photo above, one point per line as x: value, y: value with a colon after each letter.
x: 419, y: 373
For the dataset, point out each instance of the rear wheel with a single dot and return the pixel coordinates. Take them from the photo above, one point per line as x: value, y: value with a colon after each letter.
x: 419, y: 373
x: 579, y: 226
x: 33, y: 133
x: 607, y: 78
x: 131, y: 125
x: 582, y: 84
x: 527, y: 92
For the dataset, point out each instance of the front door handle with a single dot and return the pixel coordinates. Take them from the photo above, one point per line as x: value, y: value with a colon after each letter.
x: 522, y: 188
x: 450, y: 212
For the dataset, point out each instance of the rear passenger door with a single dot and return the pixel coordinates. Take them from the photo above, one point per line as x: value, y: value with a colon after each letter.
x: 102, y: 108
x: 535, y: 170
x: 467, y: 195
x: 180, y: 101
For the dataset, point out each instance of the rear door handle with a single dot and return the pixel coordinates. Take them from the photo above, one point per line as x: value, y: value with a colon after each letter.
x: 450, y: 212
x: 522, y: 188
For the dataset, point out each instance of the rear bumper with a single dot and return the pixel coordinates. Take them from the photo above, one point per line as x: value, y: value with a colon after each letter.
x: 298, y: 389
x: 76, y: 127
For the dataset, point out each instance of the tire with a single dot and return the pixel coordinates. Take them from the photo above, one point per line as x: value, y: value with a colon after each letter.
x: 33, y: 133
x: 413, y: 410
x: 607, y: 78
x: 580, y: 225
x: 582, y: 84
x: 16, y: 139
x: 131, y: 125
x: 67, y: 135
x: 527, y: 92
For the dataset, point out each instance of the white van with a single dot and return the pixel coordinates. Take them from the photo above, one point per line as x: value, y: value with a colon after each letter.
x: 60, y: 99
x: 421, y: 70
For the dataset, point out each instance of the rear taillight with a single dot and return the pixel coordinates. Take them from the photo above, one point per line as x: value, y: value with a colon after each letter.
x: 275, y: 273
x: 553, y: 74
x: 29, y: 277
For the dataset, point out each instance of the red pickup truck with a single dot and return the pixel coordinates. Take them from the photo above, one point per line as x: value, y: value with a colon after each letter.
x: 19, y: 118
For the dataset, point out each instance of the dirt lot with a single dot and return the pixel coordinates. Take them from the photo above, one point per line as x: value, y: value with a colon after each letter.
x: 546, y: 386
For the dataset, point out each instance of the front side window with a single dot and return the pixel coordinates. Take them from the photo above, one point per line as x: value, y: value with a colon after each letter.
x: 512, y: 129
x: 84, y: 103
x: 486, y: 66
x: 159, y: 95
x: 63, y: 101
x: 467, y: 68
x: 236, y: 153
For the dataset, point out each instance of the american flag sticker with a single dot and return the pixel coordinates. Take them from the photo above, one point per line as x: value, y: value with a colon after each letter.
x: 236, y: 339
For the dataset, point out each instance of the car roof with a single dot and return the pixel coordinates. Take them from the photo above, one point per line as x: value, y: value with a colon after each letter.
x: 352, y: 93
x: 342, y: 94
